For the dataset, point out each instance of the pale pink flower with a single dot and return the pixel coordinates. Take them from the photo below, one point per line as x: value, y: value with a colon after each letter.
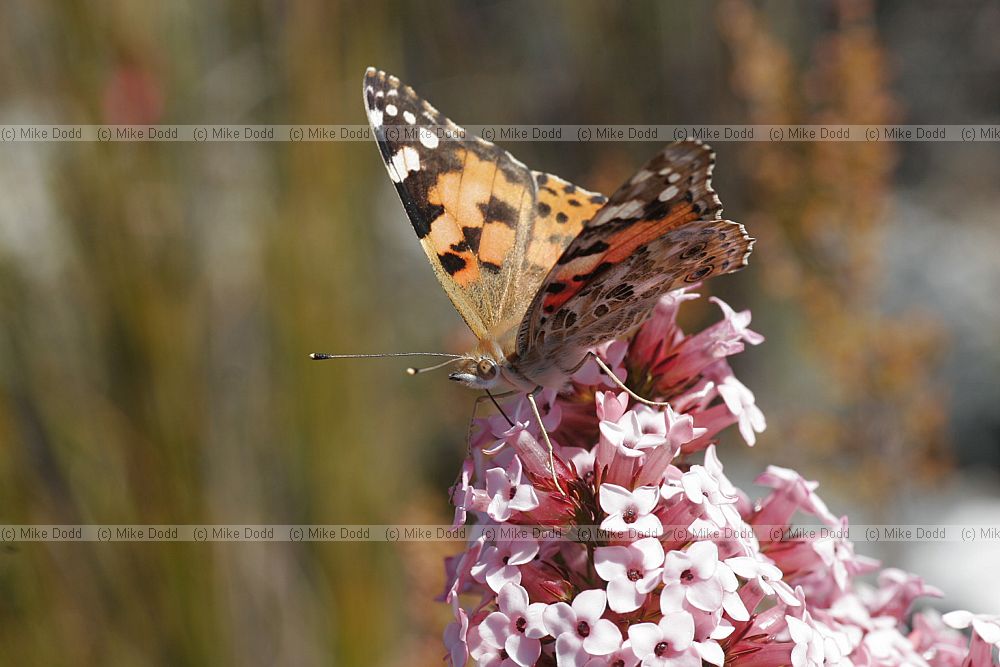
x: 986, y: 627
x: 768, y: 577
x: 669, y: 643
x: 791, y: 492
x: 816, y: 643
x: 939, y: 644
x: 611, y: 406
x: 516, y: 627
x: 696, y: 576
x: 455, y: 635
x: 623, y: 656
x: 579, y: 630
x: 634, y: 432
x: 508, y: 493
x: 896, y: 592
x: 632, y: 572
x: 726, y: 598
x: 708, y: 488
x: 498, y: 565
x: 734, y: 329
x: 741, y: 402
x: 630, y: 510
x: 884, y: 644
x: 486, y: 652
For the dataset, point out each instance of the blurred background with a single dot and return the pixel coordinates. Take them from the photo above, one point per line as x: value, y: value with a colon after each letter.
x: 158, y: 300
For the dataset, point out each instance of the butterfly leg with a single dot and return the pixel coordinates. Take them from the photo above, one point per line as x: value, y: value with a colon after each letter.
x: 614, y: 378
x: 475, y: 408
x: 472, y: 426
x: 545, y: 436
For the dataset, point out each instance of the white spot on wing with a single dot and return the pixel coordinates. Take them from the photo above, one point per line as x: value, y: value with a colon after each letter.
x: 409, y: 117
x: 391, y: 109
x: 669, y: 193
x: 428, y: 138
x: 405, y: 160
x: 673, y: 178
x: 627, y: 210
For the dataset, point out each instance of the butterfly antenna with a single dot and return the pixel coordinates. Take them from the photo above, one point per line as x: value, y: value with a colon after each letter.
x: 321, y: 356
x: 417, y: 371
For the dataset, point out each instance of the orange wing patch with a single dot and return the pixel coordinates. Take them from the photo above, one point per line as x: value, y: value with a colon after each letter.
x: 561, y: 211
x: 491, y: 228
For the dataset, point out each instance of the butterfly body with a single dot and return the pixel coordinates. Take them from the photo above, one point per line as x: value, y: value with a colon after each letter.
x: 540, y: 269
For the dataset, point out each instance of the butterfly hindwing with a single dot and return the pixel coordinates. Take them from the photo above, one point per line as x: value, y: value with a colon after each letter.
x: 490, y: 227
x: 659, y: 231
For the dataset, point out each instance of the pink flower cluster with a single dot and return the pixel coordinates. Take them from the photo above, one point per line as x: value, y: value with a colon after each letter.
x: 647, y: 554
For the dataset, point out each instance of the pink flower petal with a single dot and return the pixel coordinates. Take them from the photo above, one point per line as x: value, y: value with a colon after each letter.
x: 646, y: 498
x: 615, y: 499
x: 704, y: 558
x: 651, y: 551
x: 650, y: 581
x: 705, y: 595
x: 524, y: 499
x: 648, y: 525
x: 674, y: 564
x: 498, y: 577
x: 590, y: 605
x: 523, y: 650
x: 677, y: 629
x: 710, y: 652
x: 570, y: 651
x: 733, y: 605
x: 495, y: 628
x: 559, y: 618
x: 672, y: 598
x: 512, y: 600
x: 604, y: 638
x: 645, y: 637
x: 536, y: 623
x: 623, y: 596
x: 611, y: 562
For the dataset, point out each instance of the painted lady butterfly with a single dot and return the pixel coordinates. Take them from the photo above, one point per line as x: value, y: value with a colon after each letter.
x: 540, y: 269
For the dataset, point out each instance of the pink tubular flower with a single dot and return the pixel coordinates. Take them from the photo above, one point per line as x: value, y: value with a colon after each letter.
x: 741, y: 403
x: 632, y: 572
x: 508, y: 494
x: 515, y: 628
x: 669, y: 643
x: 697, y: 577
x: 985, y: 635
x: 689, y: 568
x: 622, y: 656
x: 455, y: 635
x: 498, y: 565
x: 630, y: 511
x: 579, y: 630
x: 815, y: 643
x: 708, y: 488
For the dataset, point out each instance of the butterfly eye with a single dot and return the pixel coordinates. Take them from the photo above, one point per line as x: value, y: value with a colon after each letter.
x: 487, y: 369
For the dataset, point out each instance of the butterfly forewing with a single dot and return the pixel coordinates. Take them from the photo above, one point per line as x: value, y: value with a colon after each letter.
x: 659, y: 231
x: 490, y: 227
